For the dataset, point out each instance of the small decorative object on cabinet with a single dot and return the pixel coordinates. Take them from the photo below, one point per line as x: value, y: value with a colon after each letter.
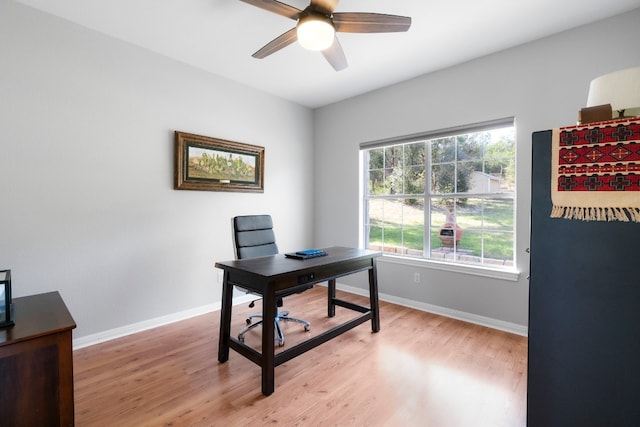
x: 597, y: 113
x: 6, y: 306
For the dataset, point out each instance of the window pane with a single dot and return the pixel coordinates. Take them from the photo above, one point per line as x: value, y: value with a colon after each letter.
x: 504, y: 169
x: 443, y: 233
x: 443, y: 218
x: 375, y: 225
x: 501, y: 143
x: 498, y: 214
x: 396, y: 226
x: 437, y: 250
x: 443, y: 150
x: 498, y: 248
x: 414, y: 154
x: 470, y: 247
x: 393, y: 181
x: 376, y: 182
x: 439, y: 211
x: 392, y: 225
x: 413, y: 230
x: 500, y: 155
x: 470, y: 215
x: 471, y: 179
x: 470, y: 146
x: 443, y: 178
x: 376, y: 158
x: 414, y: 181
x: 393, y: 156
x: 380, y: 212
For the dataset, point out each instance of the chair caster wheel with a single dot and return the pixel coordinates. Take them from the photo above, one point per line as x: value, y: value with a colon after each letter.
x: 241, y: 338
x: 281, y: 343
x: 307, y: 328
x: 248, y: 321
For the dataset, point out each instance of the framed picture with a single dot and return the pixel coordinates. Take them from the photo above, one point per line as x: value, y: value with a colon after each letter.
x: 211, y: 164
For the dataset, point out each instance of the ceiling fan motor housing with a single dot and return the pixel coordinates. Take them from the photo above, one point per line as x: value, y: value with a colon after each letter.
x: 315, y: 30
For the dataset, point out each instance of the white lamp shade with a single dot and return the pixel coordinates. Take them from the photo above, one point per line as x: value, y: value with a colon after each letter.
x: 315, y: 33
x: 621, y: 89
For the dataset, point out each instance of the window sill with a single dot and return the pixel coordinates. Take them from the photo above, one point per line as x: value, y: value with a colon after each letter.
x: 494, y: 273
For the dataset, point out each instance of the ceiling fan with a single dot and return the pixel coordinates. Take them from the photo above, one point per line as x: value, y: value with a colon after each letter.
x: 317, y: 25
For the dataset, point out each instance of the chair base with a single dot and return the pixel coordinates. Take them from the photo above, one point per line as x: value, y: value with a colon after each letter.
x: 282, y: 316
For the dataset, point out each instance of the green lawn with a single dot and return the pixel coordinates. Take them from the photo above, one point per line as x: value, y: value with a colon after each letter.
x: 487, y: 227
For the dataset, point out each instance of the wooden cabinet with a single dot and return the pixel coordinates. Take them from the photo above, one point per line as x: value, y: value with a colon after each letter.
x: 36, y: 364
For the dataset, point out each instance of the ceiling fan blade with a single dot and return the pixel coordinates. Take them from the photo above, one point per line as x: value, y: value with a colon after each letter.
x: 355, y: 22
x: 325, y: 6
x: 335, y: 55
x: 276, y: 44
x: 276, y: 7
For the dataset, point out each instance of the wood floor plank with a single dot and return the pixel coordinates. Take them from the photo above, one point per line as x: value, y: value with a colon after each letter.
x: 419, y: 370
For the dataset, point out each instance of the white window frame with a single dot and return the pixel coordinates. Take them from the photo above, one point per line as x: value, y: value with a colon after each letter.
x: 505, y: 273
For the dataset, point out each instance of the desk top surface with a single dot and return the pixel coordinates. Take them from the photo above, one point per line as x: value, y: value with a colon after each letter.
x: 279, y: 264
x: 35, y: 316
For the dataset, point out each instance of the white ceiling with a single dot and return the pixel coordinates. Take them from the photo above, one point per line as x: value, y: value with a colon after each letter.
x: 219, y: 36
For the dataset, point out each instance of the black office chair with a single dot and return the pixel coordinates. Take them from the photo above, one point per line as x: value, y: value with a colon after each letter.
x: 253, y: 237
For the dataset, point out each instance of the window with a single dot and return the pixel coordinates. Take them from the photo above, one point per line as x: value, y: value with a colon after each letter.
x: 446, y: 196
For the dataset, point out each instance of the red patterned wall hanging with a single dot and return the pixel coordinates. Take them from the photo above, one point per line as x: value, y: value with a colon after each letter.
x: 595, y: 171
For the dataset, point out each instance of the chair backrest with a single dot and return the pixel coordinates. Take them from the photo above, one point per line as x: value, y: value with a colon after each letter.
x: 253, y: 236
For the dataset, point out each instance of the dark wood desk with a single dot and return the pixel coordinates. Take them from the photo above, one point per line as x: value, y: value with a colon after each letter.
x: 274, y: 276
x: 36, y: 364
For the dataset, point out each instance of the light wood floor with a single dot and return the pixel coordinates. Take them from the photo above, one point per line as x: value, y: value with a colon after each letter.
x: 419, y: 370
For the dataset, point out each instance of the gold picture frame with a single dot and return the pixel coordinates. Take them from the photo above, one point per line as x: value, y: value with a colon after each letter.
x: 213, y: 164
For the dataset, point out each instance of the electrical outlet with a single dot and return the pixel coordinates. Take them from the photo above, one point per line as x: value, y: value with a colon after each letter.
x: 416, y: 277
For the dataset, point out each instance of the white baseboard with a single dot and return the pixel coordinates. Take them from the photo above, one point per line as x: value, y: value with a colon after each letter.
x: 182, y: 315
x: 443, y: 311
x: 154, y: 323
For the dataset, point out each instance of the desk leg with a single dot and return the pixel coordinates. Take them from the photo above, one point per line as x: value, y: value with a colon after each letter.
x: 268, y: 337
x: 373, y: 296
x: 331, y: 307
x: 225, y: 319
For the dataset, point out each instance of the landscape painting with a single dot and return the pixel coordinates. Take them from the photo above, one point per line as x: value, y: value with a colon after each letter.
x: 205, y: 163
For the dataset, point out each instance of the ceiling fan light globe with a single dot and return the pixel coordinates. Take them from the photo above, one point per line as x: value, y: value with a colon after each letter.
x: 315, y: 33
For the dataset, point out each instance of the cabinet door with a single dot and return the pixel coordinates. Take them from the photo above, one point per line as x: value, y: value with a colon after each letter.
x: 36, y: 364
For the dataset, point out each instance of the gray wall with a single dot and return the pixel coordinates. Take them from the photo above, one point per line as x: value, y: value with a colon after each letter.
x: 542, y: 84
x: 86, y: 164
x: 86, y: 172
